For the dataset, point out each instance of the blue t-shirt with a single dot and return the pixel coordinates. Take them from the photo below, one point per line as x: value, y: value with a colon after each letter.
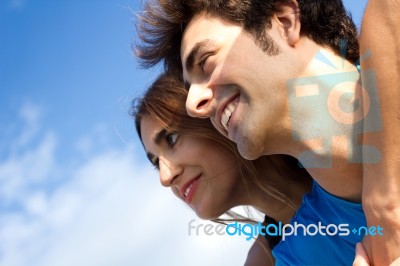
x: 338, y: 215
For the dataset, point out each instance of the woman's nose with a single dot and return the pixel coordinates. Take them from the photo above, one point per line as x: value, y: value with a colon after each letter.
x: 199, y: 101
x: 169, y: 172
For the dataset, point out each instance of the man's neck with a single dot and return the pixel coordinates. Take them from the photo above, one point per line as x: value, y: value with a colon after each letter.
x: 323, y: 104
x: 323, y: 125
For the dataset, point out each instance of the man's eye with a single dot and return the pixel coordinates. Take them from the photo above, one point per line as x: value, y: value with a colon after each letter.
x: 203, y: 61
x: 172, y: 138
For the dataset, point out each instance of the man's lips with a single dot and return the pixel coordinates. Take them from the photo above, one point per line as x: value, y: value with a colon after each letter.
x: 191, y: 186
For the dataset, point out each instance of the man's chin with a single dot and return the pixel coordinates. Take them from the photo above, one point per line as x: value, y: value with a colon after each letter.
x: 247, y: 147
x: 248, y: 152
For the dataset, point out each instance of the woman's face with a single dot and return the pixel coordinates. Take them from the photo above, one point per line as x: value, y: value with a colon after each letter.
x: 199, y: 171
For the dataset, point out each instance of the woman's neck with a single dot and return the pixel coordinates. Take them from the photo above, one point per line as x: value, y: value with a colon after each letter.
x: 285, y: 192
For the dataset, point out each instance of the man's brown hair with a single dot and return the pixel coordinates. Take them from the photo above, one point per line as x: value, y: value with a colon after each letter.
x: 163, y: 22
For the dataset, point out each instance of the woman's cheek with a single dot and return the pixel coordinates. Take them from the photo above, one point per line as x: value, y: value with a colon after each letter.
x: 176, y: 192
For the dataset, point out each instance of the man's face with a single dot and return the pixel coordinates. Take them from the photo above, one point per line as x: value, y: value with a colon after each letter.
x: 235, y: 83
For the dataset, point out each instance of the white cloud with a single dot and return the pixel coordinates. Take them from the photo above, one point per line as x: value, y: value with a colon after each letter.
x: 33, y: 166
x: 30, y: 116
x: 109, y: 210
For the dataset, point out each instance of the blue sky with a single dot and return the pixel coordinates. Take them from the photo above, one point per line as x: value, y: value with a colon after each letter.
x: 75, y: 187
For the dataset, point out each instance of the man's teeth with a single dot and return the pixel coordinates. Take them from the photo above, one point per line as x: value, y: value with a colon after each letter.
x: 225, y: 119
x: 226, y: 115
x: 187, y: 190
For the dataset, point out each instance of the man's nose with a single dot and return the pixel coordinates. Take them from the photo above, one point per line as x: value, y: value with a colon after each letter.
x: 199, y: 101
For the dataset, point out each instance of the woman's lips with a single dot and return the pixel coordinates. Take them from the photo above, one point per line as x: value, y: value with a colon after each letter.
x: 189, y: 189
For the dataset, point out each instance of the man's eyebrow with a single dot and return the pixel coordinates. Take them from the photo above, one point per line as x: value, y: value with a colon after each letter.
x: 160, y: 136
x: 193, y: 53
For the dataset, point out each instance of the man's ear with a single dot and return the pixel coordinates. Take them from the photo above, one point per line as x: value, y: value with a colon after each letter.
x: 288, y: 18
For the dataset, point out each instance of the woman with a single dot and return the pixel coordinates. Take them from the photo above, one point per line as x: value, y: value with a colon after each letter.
x: 205, y: 170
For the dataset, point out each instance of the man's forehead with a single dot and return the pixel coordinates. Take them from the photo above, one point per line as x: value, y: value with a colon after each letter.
x: 192, y: 32
x: 202, y: 30
x: 201, y: 27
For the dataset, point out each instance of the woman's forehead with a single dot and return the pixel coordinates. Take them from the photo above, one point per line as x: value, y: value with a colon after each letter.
x: 149, y: 128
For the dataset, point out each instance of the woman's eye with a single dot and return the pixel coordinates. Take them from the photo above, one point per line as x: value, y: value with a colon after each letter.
x: 172, y: 138
x: 155, y: 161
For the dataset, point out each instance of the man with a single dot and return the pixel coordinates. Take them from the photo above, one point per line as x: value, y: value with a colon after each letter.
x: 244, y: 61
x: 380, y: 37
